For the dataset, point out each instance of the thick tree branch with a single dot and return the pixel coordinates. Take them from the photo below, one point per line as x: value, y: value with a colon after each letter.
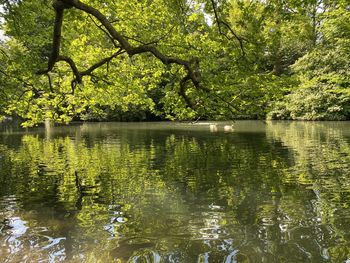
x: 100, y: 63
x: 193, y: 73
x: 50, y: 82
x: 182, y: 91
x: 57, y: 33
x: 56, y: 38
x: 103, y: 20
x: 73, y: 67
x: 190, y: 66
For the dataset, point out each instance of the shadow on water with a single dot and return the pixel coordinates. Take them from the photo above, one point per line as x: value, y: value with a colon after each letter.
x: 165, y: 192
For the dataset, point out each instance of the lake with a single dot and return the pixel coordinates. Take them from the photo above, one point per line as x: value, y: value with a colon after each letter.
x: 176, y: 192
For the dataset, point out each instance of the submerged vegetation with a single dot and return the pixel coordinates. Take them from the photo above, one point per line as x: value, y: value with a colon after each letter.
x: 174, y: 59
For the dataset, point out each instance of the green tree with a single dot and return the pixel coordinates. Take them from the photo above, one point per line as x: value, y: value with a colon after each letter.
x: 323, y: 90
x: 174, y: 59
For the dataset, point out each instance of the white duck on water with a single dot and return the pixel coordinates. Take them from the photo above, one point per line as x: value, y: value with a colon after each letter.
x: 213, y: 127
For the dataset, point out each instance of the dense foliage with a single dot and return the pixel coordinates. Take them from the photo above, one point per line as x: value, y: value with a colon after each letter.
x: 229, y: 59
x: 323, y: 75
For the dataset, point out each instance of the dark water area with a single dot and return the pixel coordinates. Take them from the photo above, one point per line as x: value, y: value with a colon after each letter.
x: 170, y: 192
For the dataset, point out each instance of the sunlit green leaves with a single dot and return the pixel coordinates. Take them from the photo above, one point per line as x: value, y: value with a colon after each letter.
x: 240, y: 81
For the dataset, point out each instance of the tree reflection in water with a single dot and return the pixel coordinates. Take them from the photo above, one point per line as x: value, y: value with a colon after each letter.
x: 275, y: 192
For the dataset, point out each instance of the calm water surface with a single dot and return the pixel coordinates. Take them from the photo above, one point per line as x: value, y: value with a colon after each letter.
x: 266, y: 192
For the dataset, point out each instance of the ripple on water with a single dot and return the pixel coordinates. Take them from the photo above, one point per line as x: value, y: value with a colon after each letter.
x: 22, y: 237
x: 279, y: 193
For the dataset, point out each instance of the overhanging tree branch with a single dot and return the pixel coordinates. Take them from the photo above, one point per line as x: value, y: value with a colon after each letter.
x: 50, y: 82
x: 190, y: 66
x: 182, y: 91
x: 57, y: 34
x: 73, y: 67
x: 101, y: 63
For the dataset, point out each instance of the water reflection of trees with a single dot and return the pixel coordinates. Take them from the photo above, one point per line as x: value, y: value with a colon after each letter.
x: 322, y: 165
x: 184, y: 197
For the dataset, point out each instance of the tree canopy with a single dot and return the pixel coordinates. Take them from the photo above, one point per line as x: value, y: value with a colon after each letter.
x: 179, y: 59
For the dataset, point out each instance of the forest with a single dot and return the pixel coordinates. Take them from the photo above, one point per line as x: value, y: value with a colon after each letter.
x: 67, y: 60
